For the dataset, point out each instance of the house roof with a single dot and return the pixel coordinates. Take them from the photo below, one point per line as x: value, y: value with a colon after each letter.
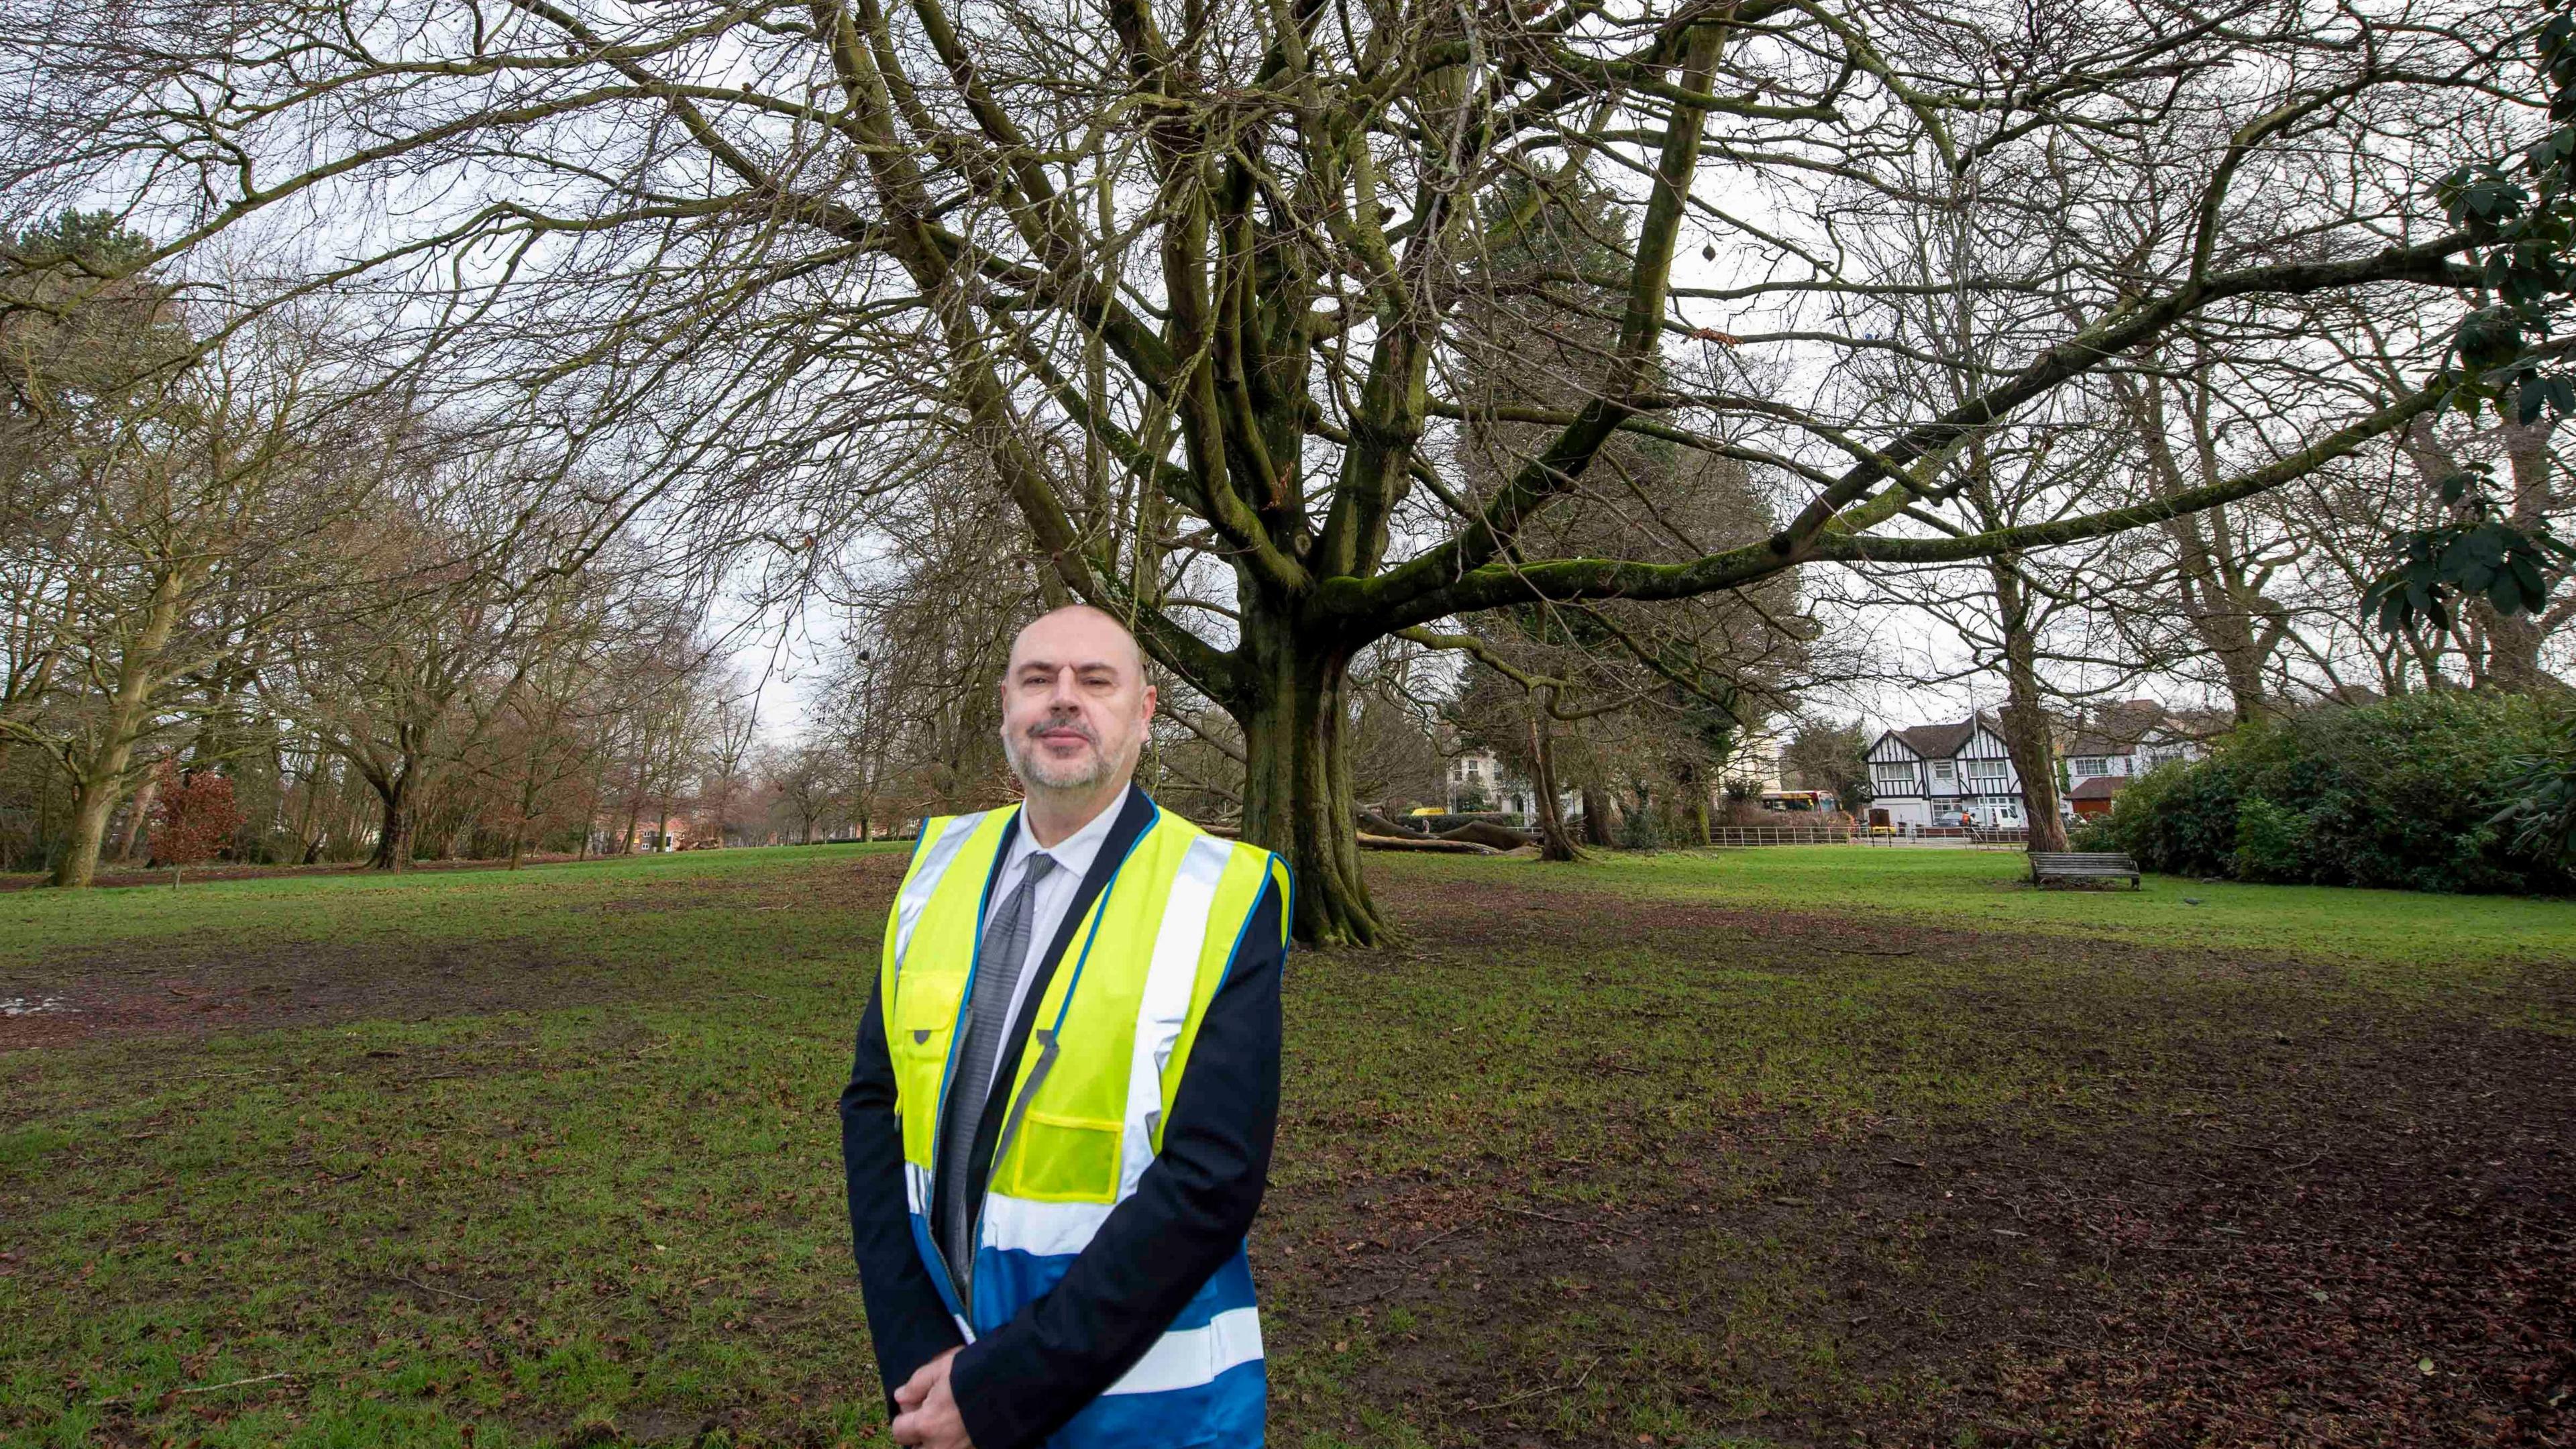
x: 2100, y: 787
x: 2117, y: 729
x: 1938, y: 742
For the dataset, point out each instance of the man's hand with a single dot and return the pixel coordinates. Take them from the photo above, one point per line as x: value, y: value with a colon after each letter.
x: 929, y: 1416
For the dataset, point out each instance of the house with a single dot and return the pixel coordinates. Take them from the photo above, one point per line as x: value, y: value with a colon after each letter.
x: 2115, y: 743
x: 1944, y: 775
x: 1478, y: 781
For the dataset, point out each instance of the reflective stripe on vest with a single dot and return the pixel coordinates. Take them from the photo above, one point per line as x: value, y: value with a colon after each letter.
x: 1105, y: 1049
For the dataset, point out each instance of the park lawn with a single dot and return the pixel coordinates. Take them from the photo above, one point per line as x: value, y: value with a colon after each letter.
x: 1752, y: 1148
x: 1989, y: 889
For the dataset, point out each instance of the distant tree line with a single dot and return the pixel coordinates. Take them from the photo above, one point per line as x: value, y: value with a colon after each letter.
x: 216, y: 557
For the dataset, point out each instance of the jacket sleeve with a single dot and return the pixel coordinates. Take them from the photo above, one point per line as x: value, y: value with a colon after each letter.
x: 907, y: 1322
x: 1189, y: 1214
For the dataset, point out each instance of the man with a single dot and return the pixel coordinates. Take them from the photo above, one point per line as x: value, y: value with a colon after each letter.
x: 1058, y: 1126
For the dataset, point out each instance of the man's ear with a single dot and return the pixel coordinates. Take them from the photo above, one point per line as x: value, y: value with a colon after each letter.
x: 1150, y: 697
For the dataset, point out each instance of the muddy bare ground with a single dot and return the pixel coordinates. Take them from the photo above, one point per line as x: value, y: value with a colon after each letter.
x: 196, y: 984
x: 2355, y: 1228
x: 2305, y: 1217
x: 131, y: 877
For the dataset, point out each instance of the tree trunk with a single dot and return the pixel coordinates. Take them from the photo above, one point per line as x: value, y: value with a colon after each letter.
x: 93, y: 800
x: 2511, y: 659
x: 138, y: 822
x: 1297, y: 795
x: 1553, y: 841
x: 2024, y: 721
x: 2025, y: 731
x: 393, y: 842
x: 101, y: 778
x: 1596, y: 817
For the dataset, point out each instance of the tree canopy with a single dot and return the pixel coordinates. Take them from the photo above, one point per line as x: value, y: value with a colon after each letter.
x: 1204, y: 287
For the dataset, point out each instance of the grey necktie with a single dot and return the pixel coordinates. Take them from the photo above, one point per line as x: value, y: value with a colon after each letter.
x: 997, y: 978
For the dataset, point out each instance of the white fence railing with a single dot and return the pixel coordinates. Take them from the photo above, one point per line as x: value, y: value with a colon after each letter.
x: 1970, y: 837
x: 1780, y: 834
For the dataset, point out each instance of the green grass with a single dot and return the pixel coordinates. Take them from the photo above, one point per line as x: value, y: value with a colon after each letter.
x: 1989, y: 890
x: 547, y: 902
x: 606, y: 1201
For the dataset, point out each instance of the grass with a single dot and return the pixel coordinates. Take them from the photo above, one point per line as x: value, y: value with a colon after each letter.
x: 1988, y: 890
x: 1727, y: 1162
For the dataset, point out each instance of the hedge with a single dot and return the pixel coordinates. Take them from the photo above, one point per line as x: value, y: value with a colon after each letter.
x: 2399, y: 794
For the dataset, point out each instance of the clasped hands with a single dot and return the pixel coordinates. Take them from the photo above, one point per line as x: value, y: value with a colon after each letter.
x: 929, y: 1415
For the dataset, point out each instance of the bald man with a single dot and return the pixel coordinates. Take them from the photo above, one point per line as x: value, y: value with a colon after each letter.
x: 1057, y: 1129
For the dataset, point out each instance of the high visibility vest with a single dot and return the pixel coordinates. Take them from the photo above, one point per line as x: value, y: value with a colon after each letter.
x: 1106, y: 1048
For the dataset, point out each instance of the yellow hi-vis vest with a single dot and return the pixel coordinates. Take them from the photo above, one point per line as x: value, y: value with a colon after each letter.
x: 1105, y: 1050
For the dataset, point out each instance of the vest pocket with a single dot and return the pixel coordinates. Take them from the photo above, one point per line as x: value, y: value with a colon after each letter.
x: 1065, y: 1159
x: 920, y: 1056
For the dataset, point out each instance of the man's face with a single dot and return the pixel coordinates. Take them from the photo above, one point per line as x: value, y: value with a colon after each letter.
x: 1074, y: 703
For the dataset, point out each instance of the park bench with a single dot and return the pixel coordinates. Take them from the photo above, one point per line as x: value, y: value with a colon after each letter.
x: 2082, y: 865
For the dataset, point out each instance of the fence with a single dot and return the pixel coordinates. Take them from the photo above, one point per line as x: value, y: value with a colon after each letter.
x: 1956, y: 837
x: 1780, y: 835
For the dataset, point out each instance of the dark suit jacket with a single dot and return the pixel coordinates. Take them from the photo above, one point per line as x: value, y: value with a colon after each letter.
x: 1019, y: 1383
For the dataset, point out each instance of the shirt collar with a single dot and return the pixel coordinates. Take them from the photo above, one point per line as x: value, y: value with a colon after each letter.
x: 1073, y: 854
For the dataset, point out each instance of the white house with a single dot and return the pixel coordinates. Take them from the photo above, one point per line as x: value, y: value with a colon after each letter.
x: 1946, y: 775
x: 1477, y: 780
x: 1480, y: 774
x: 2116, y: 743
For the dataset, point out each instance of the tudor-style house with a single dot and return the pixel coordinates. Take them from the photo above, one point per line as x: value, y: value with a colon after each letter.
x: 1944, y: 775
x: 2116, y: 743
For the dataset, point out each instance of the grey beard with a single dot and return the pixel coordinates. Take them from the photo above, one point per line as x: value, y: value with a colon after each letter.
x: 1036, y: 770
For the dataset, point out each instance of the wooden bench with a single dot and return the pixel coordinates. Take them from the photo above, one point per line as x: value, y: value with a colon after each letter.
x: 2082, y: 865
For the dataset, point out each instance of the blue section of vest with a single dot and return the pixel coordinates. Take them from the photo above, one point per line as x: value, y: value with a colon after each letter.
x: 1223, y: 1414
x: 1005, y: 1281
x: 930, y: 1254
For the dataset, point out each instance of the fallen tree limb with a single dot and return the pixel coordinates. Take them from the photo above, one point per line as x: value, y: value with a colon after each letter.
x: 1486, y: 832
x: 1372, y: 823
x: 1415, y: 842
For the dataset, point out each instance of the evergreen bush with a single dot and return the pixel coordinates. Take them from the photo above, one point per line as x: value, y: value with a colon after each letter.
x: 2401, y: 794
x: 2092, y: 832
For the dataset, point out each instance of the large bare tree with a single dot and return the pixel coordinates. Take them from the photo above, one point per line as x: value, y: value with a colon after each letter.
x: 1188, y: 276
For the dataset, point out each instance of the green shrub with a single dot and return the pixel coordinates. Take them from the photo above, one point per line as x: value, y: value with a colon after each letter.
x: 2539, y: 812
x: 2270, y: 841
x: 2402, y: 794
x: 2092, y: 832
x: 1642, y: 828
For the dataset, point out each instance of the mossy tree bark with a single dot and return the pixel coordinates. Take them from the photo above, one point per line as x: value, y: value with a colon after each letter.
x: 1297, y: 794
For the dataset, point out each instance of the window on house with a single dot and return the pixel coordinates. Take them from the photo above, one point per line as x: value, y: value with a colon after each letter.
x: 1892, y: 779
x: 1944, y: 771
x: 2088, y: 766
x: 1986, y: 769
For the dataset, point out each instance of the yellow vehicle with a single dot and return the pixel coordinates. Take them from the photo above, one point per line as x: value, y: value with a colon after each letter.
x: 1800, y: 800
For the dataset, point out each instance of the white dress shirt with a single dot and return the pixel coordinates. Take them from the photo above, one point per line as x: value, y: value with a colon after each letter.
x: 1073, y: 857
